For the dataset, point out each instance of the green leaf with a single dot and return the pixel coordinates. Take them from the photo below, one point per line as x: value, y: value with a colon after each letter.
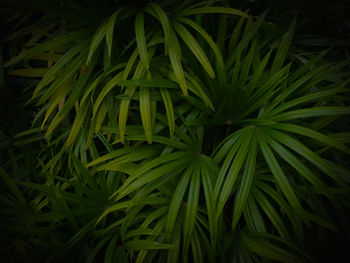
x: 159, y: 139
x: 247, y: 37
x: 175, y: 60
x: 327, y: 167
x: 257, y: 74
x: 283, y: 49
x: 177, y: 198
x: 271, y: 212
x: 58, y: 66
x: 135, y: 245
x: 169, y: 111
x: 48, y: 45
x: 96, y: 40
x: 265, y: 91
x: 132, y: 156
x: 103, y: 93
x: 236, y: 33
x: 29, y: 72
x: 193, y: 45
x: 96, y: 249
x: 218, y: 56
x: 212, y: 9
x: 77, y: 125
x: 312, y: 134
x: 279, y: 175
x: 145, y: 111
x: 246, y: 66
x: 115, y: 207
x: 124, y: 105
x: 149, y: 83
x: 197, y: 251
x: 163, y: 18
x: 65, y: 79
x: 253, y: 217
x: 109, y: 29
x: 246, y: 183
x: 301, y: 100
x: 265, y: 249
x: 240, y: 150
x: 111, y: 155
x: 197, y: 89
x: 140, y: 232
x: 141, y: 39
x: 296, y: 164
x: 192, y: 205
x: 312, y: 112
x: 110, y: 251
x: 171, y: 167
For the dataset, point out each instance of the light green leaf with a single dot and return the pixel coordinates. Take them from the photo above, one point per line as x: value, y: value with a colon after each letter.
x: 169, y: 111
x: 145, y: 111
x: 163, y: 18
x: 124, y: 105
x: 141, y: 39
x: 193, y: 45
x: 109, y: 29
x: 175, y: 60
x: 77, y: 124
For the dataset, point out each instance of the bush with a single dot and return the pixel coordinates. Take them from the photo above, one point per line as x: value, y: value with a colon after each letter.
x: 171, y: 132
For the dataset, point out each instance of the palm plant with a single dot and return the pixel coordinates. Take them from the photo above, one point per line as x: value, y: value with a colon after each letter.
x: 195, y: 134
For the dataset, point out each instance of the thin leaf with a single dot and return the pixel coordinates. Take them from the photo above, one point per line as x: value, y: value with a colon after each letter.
x: 96, y: 40
x: 175, y: 60
x: 279, y: 176
x: 192, y: 204
x: 193, y: 45
x: 109, y: 29
x: 283, y: 49
x: 246, y: 183
x: 141, y: 39
x: 210, y: 9
x: 169, y: 111
x: 135, y: 245
x: 177, y: 199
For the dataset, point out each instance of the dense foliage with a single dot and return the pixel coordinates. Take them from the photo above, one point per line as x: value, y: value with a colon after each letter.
x: 170, y: 131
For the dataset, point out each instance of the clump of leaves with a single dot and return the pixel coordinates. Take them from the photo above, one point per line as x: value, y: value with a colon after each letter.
x: 190, y: 136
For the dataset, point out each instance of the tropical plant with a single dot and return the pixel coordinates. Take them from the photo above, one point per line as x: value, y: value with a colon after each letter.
x: 172, y: 132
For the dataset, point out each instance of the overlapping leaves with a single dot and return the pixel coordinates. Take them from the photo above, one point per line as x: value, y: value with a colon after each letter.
x: 248, y: 158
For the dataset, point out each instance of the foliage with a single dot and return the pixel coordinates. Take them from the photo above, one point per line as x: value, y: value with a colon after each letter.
x: 171, y: 132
